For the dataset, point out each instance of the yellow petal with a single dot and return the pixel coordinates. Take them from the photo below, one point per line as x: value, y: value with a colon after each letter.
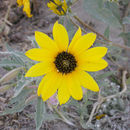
x: 63, y: 94
x: 51, y: 5
x: 26, y: 8
x: 75, y: 38
x: 64, y: 6
x: 44, y: 41
x: 38, y: 54
x: 84, y: 43
x: 38, y: 69
x: 74, y: 87
x: 93, y: 54
x: 44, y: 79
x: 58, y: 2
x: 49, y: 87
x: 20, y: 2
x: 54, y: 7
x: 60, y: 36
x: 95, y: 65
x: 88, y: 82
x: 56, y: 11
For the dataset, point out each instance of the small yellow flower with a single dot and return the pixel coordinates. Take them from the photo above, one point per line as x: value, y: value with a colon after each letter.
x: 26, y: 8
x: 64, y: 65
x: 100, y: 116
x: 58, y: 7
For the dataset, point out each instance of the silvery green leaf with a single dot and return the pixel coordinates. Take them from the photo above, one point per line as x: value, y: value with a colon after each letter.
x: 40, y: 111
x: 125, y: 1
x: 10, y: 63
x: 17, y: 103
x: 104, y: 75
x: 128, y: 81
x: 22, y: 95
x: 70, y: 28
x: 114, y: 8
x: 107, y: 32
x: 17, y: 108
x: 97, y: 10
x: 15, y: 55
x: 34, y: 43
x: 126, y: 20
x: 23, y: 82
x: 126, y: 36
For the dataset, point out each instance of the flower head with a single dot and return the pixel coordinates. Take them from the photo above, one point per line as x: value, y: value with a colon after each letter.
x: 64, y: 65
x: 26, y: 8
x: 58, y: 7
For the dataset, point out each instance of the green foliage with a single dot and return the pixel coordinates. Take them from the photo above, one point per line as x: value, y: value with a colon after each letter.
x: 23, y: 82
x: 18, y: 103
x: 126, y: 36
x: 40, y: 113
x: 107, y: 14
x: 126, y: 20
x: 17, y: 59
x: 104, y: 75
x: 34, y: 43
x: 70, y: 28
x: 114, y: 8
x: 10, y: 63
x: 125, y: 1
x: 107, y: 32
x: 128, y: 81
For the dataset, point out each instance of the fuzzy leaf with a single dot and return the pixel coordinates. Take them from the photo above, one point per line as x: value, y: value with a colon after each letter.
x: 17, y: 104
x: 10, y: 63
x: 21, y: 84
x: 40, y: 111
x: 126, y: 20
x: 97, y: 10
x: 107, y: 32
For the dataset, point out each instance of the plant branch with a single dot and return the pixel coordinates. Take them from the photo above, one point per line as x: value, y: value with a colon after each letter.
x: 115, y: 44
x: 90, y: 28
x: 62, y: 116
x: 123, y: 85
x: 92, y: 113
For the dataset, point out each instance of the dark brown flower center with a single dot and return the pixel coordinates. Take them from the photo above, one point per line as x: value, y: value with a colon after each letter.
x: 65, y: 62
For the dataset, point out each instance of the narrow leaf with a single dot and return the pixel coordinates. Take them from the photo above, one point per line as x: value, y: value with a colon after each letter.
x: 40, y: 111
x: 10, y: 75
x: 107, y: 32
x: 21, y: 84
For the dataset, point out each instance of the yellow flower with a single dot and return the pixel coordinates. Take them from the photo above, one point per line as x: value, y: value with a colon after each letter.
x: 58, y: 7
x: 26, y: 8
x: 64, y: 65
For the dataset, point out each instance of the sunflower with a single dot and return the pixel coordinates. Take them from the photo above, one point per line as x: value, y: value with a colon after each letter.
x: 58, y: 7
x: 26, y: 8
x: 64, y: 65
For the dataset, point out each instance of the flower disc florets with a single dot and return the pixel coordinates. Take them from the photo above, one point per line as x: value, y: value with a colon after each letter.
x: 65, y: 62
